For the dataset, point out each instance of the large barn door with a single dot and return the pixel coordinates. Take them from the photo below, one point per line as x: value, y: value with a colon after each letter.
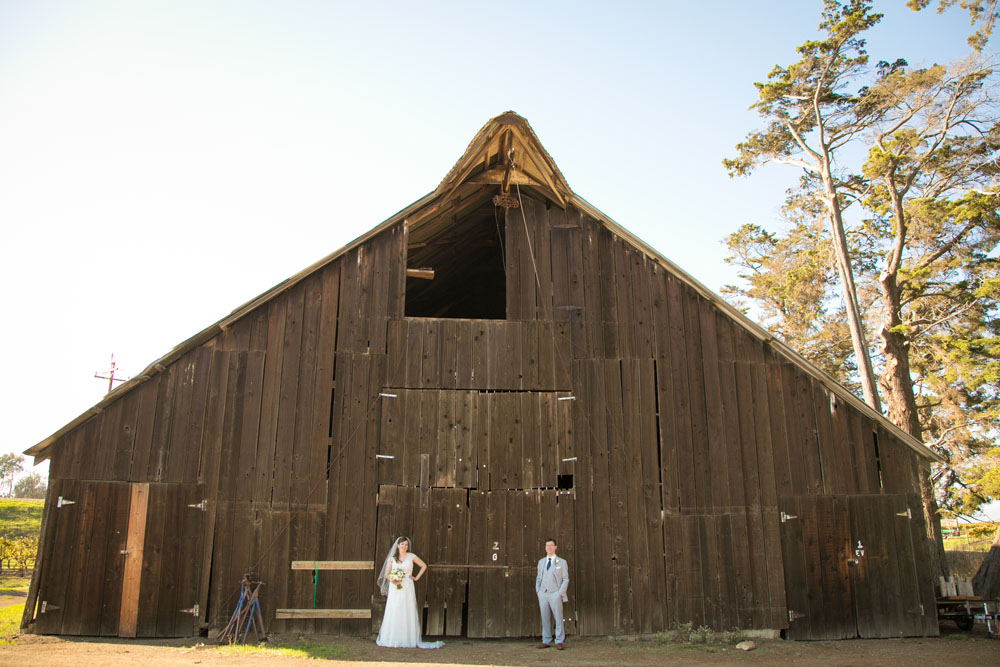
x: 80, y: 588
x: 883, y: 568
x: 170, y: 565
x: 507, y: 533
x: 121, y: 560
x: 437, y: 522
x: 850, y: 570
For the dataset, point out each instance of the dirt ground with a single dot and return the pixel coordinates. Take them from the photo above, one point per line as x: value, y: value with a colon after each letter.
x: 952, y: 647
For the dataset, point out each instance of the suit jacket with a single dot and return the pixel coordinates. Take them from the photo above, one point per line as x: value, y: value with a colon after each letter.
x: 556, y: 577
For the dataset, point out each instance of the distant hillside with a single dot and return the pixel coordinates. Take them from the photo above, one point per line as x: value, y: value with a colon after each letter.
x: 20, y: 518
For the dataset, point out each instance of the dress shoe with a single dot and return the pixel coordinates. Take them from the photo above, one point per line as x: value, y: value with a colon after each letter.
x: 542, y: 646
x: 559, y: 646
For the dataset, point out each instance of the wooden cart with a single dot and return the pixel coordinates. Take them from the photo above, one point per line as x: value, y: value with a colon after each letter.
x: 965, y: 610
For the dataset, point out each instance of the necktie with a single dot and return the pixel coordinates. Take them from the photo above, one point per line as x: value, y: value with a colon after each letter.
x: 549, y: 564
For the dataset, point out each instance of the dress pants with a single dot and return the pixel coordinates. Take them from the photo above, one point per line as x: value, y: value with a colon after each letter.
x: 550, y: 604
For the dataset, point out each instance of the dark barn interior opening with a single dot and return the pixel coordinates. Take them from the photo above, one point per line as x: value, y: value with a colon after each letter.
x: 466, y: 257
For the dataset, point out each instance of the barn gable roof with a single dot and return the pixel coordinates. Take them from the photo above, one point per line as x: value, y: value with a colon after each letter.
x: 504, y: 152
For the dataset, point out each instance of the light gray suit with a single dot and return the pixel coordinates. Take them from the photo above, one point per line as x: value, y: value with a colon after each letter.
x: 550, y: 586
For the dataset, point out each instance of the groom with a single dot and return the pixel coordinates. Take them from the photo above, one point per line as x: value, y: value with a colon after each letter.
x: 550, y: 585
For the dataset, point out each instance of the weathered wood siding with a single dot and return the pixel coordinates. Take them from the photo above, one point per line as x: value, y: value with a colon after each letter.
x: 615, y: 409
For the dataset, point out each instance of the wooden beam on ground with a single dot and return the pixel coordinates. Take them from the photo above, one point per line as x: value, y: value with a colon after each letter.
x: 322, y: 613
x: 333, y: 565
x: 426, y: 274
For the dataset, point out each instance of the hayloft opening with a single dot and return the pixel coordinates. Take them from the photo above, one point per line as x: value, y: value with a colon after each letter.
x: 455, y: 267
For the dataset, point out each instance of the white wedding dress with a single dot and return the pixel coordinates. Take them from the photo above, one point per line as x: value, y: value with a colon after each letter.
x: 401, y: 622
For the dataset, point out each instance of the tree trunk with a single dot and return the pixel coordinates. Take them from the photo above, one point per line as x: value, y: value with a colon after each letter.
x: 850, y: 294
x: 900, y: 397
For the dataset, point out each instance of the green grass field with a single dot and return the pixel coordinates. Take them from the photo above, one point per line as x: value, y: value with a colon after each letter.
x: 20, y: 518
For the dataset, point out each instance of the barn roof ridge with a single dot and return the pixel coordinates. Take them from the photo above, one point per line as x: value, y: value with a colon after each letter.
x: 507, y: 134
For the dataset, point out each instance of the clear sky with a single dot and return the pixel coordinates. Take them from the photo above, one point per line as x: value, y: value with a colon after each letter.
x: 161, y: 163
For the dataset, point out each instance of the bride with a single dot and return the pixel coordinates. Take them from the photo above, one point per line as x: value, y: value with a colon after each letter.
x: 401, y: 622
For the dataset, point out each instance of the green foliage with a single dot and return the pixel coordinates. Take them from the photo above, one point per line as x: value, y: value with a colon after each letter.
x: 982, y: 13
x: 297, y: 649
x: 20, y: 518
x: 10, y: 623
x: 925, y: 253
x: 31, y: 485
x: 10, y: 466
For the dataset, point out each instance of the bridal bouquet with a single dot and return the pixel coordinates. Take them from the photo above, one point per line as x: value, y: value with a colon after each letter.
x: 396, y: 576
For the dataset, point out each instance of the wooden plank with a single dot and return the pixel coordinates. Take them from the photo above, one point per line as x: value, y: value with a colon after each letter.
x: 602, y: 514
x: 540, y: 220
x: 477, y: 601
x: 188, y: 566
x: 481, y: 358
x: 114, y: 562
x: 718, y: 495
x: 529, y: 353
x: 309, y: 452
x: 777, y: 399
x: 847, y: 471
x: 588, y: 333
x: 799, y: 621
x: 287, y: 397
x: 123, y: 443
x: 465, y: 443
x: 100, y: 560
x: 430, y: 360
x: 618, y: 476
x: 801, y: 428
x: 41, y: 556
x: 684, y: 572
x: 246, y: 448
x: 533, y: 537
x: 395, y: 268
x: 167, y: 549
x: 642, y: 306
x: 134, y: 543
x: 464, y: 362
x: 624, y: 295
x: 270, y: 399
x: 333, y: 565
x: 161, y: 426
x: 513, y: 555
x: 150, y: 586
x: 74, y: 604
x: 609, y: 291
x: 62, y: 528
x: 445, y: 455
x: 448, y: 360
x: 232, y: 426
x: 392, y: 444
x: 414, y: 352
x: 701, y: 438
x: 322, y: 613
x: 586, y: 570
x: 829, y: 470
x: 497, y: 589
x: 395, y: 346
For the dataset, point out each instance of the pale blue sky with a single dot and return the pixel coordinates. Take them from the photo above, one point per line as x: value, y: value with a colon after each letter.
x: 161, y: 163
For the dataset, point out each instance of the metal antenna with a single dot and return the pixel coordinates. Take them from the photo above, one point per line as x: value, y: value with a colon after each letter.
x: 110, y: 377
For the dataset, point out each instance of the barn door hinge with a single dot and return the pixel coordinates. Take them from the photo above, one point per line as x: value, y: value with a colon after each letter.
x: 48, y: 607
x: 62, y: 501
x: 787, y: 517
x: 908, y: 514
x: 194, y: 611
x: 794, y: 615
x: 203, y: 505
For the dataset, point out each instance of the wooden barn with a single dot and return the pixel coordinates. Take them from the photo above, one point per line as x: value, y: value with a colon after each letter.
x: 496, y: 364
